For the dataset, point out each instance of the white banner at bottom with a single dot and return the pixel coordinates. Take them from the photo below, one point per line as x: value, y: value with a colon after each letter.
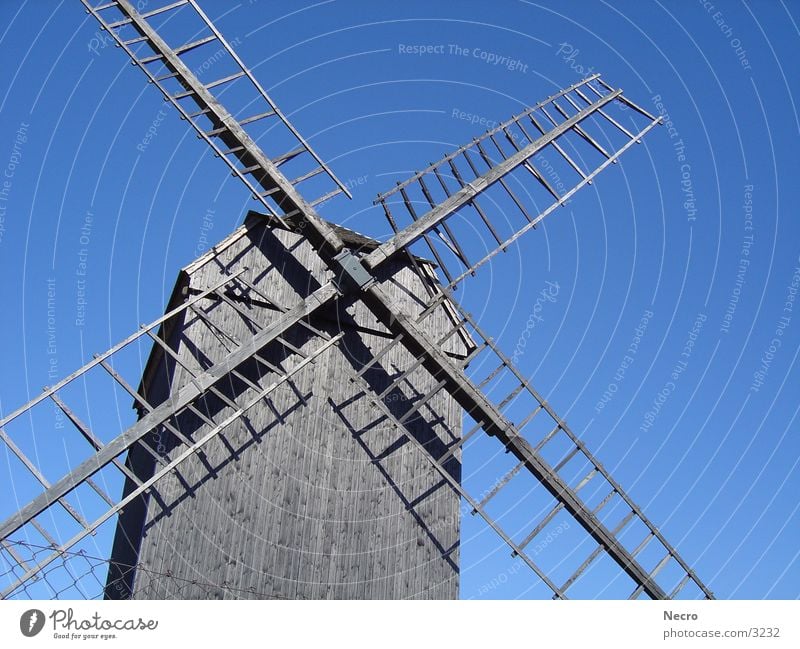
x: 389, y: 624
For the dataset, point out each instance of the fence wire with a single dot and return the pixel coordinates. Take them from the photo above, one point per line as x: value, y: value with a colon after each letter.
x: 79, y: 575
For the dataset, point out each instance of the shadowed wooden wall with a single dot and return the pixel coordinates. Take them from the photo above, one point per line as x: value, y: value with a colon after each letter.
x: 311, y: 494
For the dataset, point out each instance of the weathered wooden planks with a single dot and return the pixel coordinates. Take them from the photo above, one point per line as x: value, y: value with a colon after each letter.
x: 312, y: 494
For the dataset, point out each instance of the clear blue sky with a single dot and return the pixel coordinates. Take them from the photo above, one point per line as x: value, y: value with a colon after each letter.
x: 658, y: 240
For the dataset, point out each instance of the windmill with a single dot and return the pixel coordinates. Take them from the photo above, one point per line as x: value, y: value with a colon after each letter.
x: 299, y: 419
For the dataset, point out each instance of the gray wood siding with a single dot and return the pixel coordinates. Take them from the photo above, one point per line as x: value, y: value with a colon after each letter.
x: 311, y: 494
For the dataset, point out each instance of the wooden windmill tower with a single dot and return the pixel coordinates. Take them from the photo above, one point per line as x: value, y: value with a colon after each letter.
x: 299, y: 419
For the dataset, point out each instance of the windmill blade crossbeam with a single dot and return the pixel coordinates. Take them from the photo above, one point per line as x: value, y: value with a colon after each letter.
x: 549, y: 460
x: 173, y: 45
x: 552, y: 439
x: 173, y: 425
x: 481, y: 195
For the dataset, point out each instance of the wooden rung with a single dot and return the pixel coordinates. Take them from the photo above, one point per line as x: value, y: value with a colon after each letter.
x: 236, y: 149
x: 250, y: 384
x: 591, y: 141
x: 542, y: 524
x: 451, y: 241
x: 471, y: 356
x: 459, y: 443
x: 264, y: 297
x: 314, y: 172
x: 566, y: 459
x: 625, y: 520
x: 133, y: 41
x: 419, y: 404
x: 549, y: 116
x: 83, y: 429
x: 605, y: 501
x: 607, y: 116
x: 150, y: 59
x: 570, y: 161
x: 224, y: 397
x: 500, y: 484
x: 536, y: 174
x: 161, y: 10
x: 636, y: 107
x: 125, y: 385
x: 289, y: 155
x: 217, y: 131
x: 396, y: 380
x: 459, y: 326
x: 522, y: 128
x: 605, y: 85
x: 100, y: 492
x: 377, y: 357
x: 680, y: 586
x: 442, y: 183
x: 645, y: 542
x: 473, y: 203
x: 270, y: 192
x: 586, y: 479
x: 74, y: 513
x: 413, y: 213
x: 39, y: 475
x: 326, y: 197
x: 486, y: 157
x: 487, y: 221
x: 511, y: 139
x: 291, y: 347
x: 216, y: 330
x: 254, y: 118
x: 582, y: 568
x: 138, y: 398
x: 164, y: 77
x: 182, y: 95
x: 172, y: 353
x: 197, y: 113
x: 547, y: 437
x: 194, y: 44
x: 659, y: 567
x: 213, y: 84
x: 240, y: 310
x: 8, y: 547
x: 512, y: 395
x: 491, y: 375
x: 431, y: 306
x: 499, y: 149
x: 107, y: 5
x: 594, y: 90
x: 45, y: 534
x: 562, y: 111
x: 520, y: 206
x: 592, y: 556
x: 23, y: 458
x: 529, y: 417
x: 118, y: 23
x: 187, y: 47
x: 201, y: 415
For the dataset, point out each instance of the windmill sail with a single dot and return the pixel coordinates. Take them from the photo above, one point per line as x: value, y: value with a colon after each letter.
x: 277, y: 338
x: 526, y: 167
x: 542, y: 444
x: 44, y: 539
x: 195, y: 71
